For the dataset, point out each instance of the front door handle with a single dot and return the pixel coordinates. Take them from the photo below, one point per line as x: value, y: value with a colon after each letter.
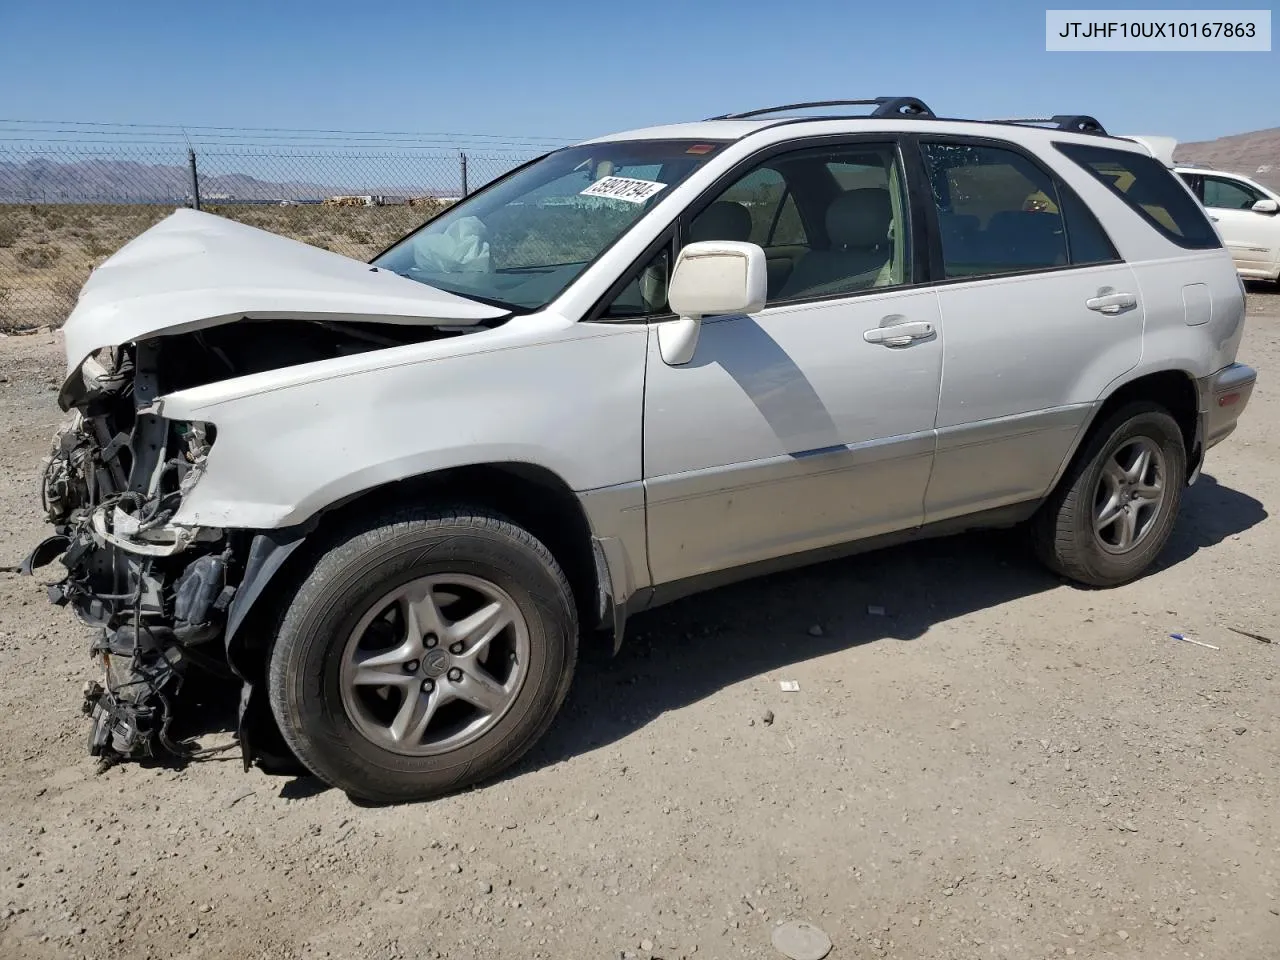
x: 1112, y: 303
x: 899, y: 334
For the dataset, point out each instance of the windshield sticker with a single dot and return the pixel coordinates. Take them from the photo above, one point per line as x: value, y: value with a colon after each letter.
x: 623, y: 188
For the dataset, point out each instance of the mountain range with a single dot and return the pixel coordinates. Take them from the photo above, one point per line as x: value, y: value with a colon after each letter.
x: 1256, y: 155
x: 103, y: 180
x: 41, y: 179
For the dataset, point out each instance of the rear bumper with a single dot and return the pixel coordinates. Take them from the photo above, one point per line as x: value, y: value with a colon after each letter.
x: 1223, y: 397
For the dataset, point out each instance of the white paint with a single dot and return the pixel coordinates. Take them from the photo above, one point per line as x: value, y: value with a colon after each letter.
x: 195, y: 270
x: 718, y: 277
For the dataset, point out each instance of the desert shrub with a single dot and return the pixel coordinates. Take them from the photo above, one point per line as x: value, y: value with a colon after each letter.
x: 53, y: 219
x: 66, y: 290
x: 10, y: 231
x: 38, y: 257
x: 97, y: 248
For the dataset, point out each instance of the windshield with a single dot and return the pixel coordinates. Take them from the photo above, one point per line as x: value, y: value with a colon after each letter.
x: 520, y: 242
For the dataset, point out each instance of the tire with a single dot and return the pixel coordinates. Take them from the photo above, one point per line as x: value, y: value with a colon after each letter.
x: 339, y: 627
x: 1065, y: 529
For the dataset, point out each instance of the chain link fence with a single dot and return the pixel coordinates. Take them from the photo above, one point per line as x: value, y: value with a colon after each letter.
x: 65, y: 207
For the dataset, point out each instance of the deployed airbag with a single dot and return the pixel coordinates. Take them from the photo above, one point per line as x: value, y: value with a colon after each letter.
x: 462, y: 248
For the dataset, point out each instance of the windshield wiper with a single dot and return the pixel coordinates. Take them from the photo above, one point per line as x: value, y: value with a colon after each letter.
x: 431, y: 280
x: 544, y: 268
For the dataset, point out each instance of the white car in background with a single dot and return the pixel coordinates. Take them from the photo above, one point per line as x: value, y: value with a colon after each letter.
x: 1247, y: 215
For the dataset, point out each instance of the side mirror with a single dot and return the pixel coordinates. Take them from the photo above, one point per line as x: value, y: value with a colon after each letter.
x: 1266, y: 205
x: 711, y: 278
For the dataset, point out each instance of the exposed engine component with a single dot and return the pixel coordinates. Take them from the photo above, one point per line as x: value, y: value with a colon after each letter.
x: 157, y: 593
x: 132, y: 711
x: 114, y: 478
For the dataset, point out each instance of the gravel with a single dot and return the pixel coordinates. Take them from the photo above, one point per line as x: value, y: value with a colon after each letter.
x: 858, y: 811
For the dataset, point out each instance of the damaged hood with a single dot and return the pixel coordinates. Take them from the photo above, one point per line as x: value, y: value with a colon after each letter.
x: 194, y: 270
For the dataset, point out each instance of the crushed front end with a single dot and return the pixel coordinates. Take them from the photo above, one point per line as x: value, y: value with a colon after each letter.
x: 197, y: 314
x: 157, y: 593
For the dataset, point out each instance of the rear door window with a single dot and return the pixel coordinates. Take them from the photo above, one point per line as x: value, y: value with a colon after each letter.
x: 1000, y: 212
x: 1087, y: 242
x: 1150, y: 189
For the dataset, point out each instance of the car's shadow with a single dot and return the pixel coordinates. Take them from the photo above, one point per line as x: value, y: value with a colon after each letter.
x: 681, y: 653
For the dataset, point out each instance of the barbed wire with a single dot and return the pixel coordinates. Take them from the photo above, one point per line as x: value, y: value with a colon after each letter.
x: 183, y: 126
x: 505, y: 148
x: 86, y: 131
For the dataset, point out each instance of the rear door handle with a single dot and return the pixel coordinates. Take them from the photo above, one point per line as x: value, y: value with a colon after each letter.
x: 1112, y: 303
x: 899, y: 334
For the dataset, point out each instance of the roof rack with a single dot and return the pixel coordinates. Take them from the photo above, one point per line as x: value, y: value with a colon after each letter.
x: 1073, y: 123
x: 915, y: 108
x: 902, y: 107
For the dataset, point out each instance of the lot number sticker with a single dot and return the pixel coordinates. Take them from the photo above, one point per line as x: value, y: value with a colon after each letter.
x: 623, y: 188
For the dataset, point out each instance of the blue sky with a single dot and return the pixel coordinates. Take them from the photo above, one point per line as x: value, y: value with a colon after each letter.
x: 578, y: 68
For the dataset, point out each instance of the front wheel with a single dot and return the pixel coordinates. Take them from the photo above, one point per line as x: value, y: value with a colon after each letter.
x: 424, y: 652
x: 1113, y: 512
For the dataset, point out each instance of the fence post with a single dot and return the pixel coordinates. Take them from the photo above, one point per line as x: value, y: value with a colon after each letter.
x: 195, y: 178
x: 462, y: 158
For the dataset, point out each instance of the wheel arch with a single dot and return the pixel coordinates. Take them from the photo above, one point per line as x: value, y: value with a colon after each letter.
x: 529, y: 495
x: 1173, y: 389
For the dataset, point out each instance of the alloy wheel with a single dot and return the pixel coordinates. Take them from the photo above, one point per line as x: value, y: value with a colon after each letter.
x: 434, y: 664
x: 1130, y: 493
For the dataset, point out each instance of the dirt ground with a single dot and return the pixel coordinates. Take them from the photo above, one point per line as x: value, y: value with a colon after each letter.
x: 1001, y: 766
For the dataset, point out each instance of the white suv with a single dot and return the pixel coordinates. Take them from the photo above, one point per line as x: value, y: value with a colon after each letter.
x: 392, y: 495
x: 1247, y: 215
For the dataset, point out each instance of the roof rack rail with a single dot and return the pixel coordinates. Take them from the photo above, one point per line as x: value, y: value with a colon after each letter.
x: 1073, y: 123
x: 884, y: 107
x: 904, y: 107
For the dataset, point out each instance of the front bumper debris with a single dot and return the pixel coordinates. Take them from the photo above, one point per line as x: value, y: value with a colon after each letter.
x: 157, y: 595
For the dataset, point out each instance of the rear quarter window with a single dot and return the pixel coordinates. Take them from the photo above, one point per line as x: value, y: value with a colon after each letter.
x: 1150, y: 189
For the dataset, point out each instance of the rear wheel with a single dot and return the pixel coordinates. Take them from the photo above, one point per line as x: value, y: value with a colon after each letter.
x: 1113, y: 512
x: 424, y: 652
